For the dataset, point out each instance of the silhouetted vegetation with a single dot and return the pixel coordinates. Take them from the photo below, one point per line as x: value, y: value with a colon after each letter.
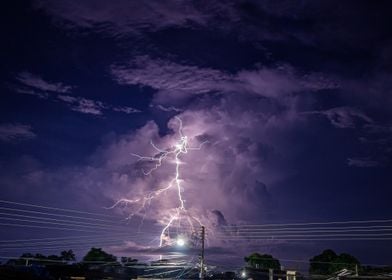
x: 97, y: 255
x: 329, y: 262
x: 262, y: 261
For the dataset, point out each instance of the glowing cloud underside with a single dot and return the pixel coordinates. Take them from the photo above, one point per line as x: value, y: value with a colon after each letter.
x: 173, y: 153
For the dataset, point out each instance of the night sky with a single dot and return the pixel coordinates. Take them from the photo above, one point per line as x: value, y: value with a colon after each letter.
x: 289, y: 102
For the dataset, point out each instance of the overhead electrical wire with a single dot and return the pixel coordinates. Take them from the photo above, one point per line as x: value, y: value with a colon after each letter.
x: 59, y: 223
x: 306, y: 231
x: 54, y: 214
x: 61, y: 238
x: 307, y: 239
x: 54, y: 208
x: 97, y: 241
x: 311, y: 223
x: 60, y: 220
x: 306, y: 228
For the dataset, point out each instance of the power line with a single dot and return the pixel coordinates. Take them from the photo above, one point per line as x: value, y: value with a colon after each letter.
x: 82, y: 241
x: 53, y: 228
x: 313, y: 223
x: 52, y: 214
x: 305, y: 239
x: 300, y: 231
x: 45, y: 227
x: 56, y: 238
x: 61, y: 224
x: 54, y: 208
x: 65, y: 246
x: 306, y: 228
x: 56, y: 242
x: 311, y: 235
x: 69, y: 222
x: 37, y: 221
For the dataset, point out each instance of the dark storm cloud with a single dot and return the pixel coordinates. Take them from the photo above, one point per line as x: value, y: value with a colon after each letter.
x: 328, y: 25
x: 323, y: 25
x: 123, y: 17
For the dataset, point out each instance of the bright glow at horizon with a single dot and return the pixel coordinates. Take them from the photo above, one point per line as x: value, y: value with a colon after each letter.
x: 181, y: 242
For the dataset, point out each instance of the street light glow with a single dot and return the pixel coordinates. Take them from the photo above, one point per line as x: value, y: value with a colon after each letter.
x: 180, y: 242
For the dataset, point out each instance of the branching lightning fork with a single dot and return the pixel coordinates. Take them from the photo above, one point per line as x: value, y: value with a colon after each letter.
x: 181, y: 147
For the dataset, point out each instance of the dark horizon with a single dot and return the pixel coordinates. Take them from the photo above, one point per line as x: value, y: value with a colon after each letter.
x: 139, y: 122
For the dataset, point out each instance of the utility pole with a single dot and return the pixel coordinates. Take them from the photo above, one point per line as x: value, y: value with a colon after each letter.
x: 201, y: 275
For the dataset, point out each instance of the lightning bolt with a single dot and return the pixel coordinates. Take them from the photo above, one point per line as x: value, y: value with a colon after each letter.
x: 180, y: 148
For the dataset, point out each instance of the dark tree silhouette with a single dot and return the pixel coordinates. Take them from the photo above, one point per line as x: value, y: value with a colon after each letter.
x: 67, y: 255
x: 259, y: 261
x: 98, y: 255
x: 329, y: 262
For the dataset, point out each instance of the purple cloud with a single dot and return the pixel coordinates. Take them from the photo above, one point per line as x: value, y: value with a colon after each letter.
x: 175, y: 81
x: 34, y: 85
x: 83, y: 105
x: 34, y: 82
x: 15, y: 131
x: 93, y: 107
x: 166, y: 108
x: 127, y: 110
x: 169, y: 76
